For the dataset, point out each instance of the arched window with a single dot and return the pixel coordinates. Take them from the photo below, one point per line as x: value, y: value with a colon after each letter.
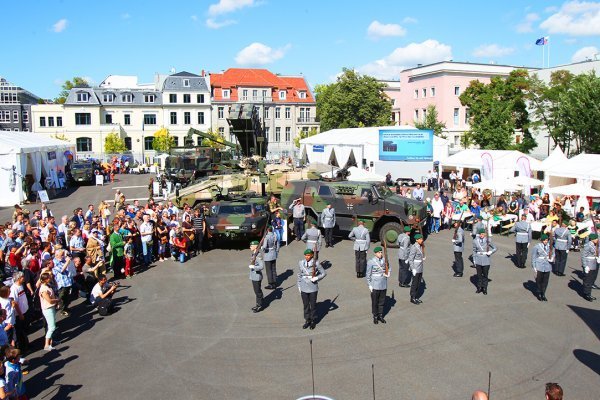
x: 84, y: 144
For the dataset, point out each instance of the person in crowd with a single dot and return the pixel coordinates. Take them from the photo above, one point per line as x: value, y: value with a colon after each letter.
x: 437, y: 208
x: 554, y: 391
x: 49, y: 302
x: 418, y: 193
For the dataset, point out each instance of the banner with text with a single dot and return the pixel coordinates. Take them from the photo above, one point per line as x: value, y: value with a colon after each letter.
x: 405, y: 145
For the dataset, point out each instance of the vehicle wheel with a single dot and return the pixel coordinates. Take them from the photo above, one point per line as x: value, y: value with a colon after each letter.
x: 389, y: 232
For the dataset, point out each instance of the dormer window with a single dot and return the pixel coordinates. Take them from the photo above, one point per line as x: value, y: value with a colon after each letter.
x: 126, y: 97
x: 282, y: 94
x: 226, y: 93
x: 108, y: 97
x: 83, y: 97
x: 186, y: 83
x: 149, y: 98
x: 302, y: 94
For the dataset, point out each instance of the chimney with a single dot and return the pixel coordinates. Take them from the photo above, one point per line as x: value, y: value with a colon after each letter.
x: 202, y: 73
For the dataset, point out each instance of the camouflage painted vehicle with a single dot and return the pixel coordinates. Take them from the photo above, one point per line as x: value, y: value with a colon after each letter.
x: 236, y: 219
x: 83, y: 172
x: 383, y: 212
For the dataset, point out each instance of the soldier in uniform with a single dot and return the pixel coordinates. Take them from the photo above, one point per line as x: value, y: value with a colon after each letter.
x: 299, y: 215
x: 362, y: 241
x: 477, y: 225
x: 590, y: 261
x: 312, y: 238
x: 540, y: 261
x: 458, y: 245
x: 270, y: 249
x: 522, y: 231
x: 415, y: 264
x: 377, y: 281
x: 562, y: 245
x: 403, y: 250
x: 328, y: 223
x: 256, y: 266
x: 309, y: 273
x: 483, y: 248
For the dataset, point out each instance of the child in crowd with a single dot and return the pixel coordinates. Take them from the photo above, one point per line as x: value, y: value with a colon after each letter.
x: 129, y: 257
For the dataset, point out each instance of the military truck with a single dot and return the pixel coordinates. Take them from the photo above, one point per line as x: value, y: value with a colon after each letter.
x: 383, y: 212
x: 243, y: 218
x: 82, y: 171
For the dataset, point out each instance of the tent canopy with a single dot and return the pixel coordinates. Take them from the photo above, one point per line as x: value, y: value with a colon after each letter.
x: 576, y: 189
x: 27, y: 142
x: 582, y: 166
x: 557, y: 157
x: 471, y: 158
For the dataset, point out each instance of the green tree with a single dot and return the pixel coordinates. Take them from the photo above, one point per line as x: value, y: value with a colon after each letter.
x: 431, y: 122
x: 77, y: 82
x: 114, y: 144
x: 216, y: 140
x: 302, y: 135
x: 163, y: 142
x: 353, y: 100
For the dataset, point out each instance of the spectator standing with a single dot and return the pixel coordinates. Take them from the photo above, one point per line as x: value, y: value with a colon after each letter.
x: 437, y: 208
x: 48, y: 302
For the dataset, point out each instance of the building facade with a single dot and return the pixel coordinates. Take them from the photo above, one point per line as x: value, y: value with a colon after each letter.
x: 392, y: 90
x: 286, y: 105
x: 15, y: 107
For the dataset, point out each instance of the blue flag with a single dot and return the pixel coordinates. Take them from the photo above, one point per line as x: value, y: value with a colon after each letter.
x: 542, y: 41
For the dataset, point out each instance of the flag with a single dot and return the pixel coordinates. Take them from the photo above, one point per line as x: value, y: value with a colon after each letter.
x: 542, y: 41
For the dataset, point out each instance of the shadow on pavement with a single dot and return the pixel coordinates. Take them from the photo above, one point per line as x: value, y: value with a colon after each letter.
x: 324, y: 307
x: 588, y: 358
x: 390, y: 302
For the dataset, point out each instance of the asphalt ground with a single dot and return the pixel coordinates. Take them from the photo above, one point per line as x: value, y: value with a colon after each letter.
x: 186, y: 331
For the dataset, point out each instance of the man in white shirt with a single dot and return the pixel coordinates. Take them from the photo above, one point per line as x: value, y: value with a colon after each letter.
x: 18, y: 293
x: 146, y: 231
x: 437, y: 206
x: 99, y: 294
x: 418, y: 193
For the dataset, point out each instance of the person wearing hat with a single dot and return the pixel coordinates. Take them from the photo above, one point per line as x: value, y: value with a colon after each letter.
x: 416, y: 257
x: 328, y: 223
x: 256, y: 266
x: 483, y: 248
x: 270, y: 249
x: 590, y: 260
x: 312, y: 238
x: 362, y: 241
x: 562, y: 244
x: 522, y: 231
x: 476, y: 226
x: 458, y: 245
x: 403, y: 250
x: 540, y: 261
x: 310, y: 272
x: 299, y: 215
x: 377, y: 281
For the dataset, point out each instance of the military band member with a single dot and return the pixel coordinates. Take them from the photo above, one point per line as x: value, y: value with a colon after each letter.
x: 403, y: 250
x: 522, y: 231
x: 416, y: 258
x: 256, y: 268
x: 312, y: 238
x: 377, y: 281
x: 458, y: 246
x: 362, y: 241
x: 310, y: 273
x: 483, y: 248
x: 590, y: 261
x: 328, y: 223
x: 540, y: 261
x: 477, y: 225
x: 562, y: 245
x: 270, y: 249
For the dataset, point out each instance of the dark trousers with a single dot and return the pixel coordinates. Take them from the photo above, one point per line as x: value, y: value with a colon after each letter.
x: 198, y: 241
x: 588, y: 281
x: 416, y: 284
x: 309, y: 300
x: 118, y: 265
x: 64, y: 294
x: 521, y: 250
x: 21, y: 328
x: 403, y: 273
x: 482, y: 276
x: 377, y: 301
x: 459, y: 265
x: 361, y: 261
x: 271, y: 267
x: 256, y: 285
x: 541, y: 280
x: 560, y: 261
x: 298, y: 227
x: 329, y: 236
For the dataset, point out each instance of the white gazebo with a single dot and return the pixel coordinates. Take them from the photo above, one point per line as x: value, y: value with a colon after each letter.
x: 494, y: 164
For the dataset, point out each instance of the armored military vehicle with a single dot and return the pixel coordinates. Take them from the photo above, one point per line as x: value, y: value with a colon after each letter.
x: 236, y: 218
x: 383, y: 212
x: 83, y: 171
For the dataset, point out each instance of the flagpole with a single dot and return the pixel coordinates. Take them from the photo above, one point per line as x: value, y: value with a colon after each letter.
x: 548, y: 51
x: 543, y: 56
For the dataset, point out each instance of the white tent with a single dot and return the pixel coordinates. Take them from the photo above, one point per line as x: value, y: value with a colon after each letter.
x: 576, y: 189
x: 498, y: 185
x: 494, y: 163
x: 23, y: 153
x: 582, y: 166
x: 556, y: 158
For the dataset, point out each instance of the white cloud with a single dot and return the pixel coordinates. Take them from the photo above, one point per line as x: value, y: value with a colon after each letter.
x: 492, y: 50
x: 526, y: 26
x: 125, y: 16
x: 60, y: 26
x: 577, y: 18
x: 212, y: 24
x: 409, y: 20
x: 260, y: 54
x: 584, y: 53
x: 389, y: 67
x: 228, y: 6
x: 377, y: 30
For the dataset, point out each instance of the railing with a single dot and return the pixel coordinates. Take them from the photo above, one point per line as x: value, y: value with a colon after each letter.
x: 256, y: 99
x: 309, y: 120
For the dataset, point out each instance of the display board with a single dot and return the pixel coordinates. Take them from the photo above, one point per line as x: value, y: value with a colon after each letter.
x: 405, y: 145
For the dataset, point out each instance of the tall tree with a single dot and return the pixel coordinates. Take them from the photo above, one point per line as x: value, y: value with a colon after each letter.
x: 303, y: 135
x: 114, y: 144
x: 431, y: 122
x: 163, y: 142
x: 354, y: 100
x: 77, y: 82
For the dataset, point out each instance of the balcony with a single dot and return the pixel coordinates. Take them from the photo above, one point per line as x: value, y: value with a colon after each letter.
x: 256, y: 99
x: 308, y: 120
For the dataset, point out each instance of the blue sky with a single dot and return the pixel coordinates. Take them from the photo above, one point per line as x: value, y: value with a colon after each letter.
x: 49, y: 41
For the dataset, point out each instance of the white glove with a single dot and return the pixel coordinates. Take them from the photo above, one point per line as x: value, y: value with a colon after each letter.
x: 586, y: 270
x: 550, y: 259
x: 424, y: 258
x: 299, y: 291
x: 598, y: 259
x: 386, y: 275
x: 568, y: 251
x: 370, y: 288
x: 454, y: 241
x: 414, y: 272
x: 488, y: 253
x: 251, y: 266
x: 527, y: 245
x: 314, y: 279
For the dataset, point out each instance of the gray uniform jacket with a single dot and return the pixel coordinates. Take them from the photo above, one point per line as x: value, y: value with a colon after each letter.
x: 562, y: 239
x: 376, y: 273
x: 270, y: 247
x: 305, y: 271
x: 415, y: 258
x: 458, y: 244
x: 539, y: 258
x: 480, y: 247
x: 589, y: 256
x: 312, y: 237
x: 328, y: 218
x: 256, y: 271
x: 476, y: 228
x: 361, y: 237
x: 298, y: 210
x: 403, y: 246
x: 522, y: 231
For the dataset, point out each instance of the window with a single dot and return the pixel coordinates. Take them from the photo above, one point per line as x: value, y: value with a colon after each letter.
x: 108, y: 97
x: 220, y: 112
x: 456, y: 110
x: 83, y: 119
x: 186, y: 83
x: 128, y: 143
x: 126, y: 97
x: 302, y: 94
x: 148, y: 142
x: 173, y: 118
x: 424, y: 111
x: 149, y: 98
x: 267, y: 112
x: 282, y: 95
x: 277, y: 134
x: 26, y: 116
x: 264, y: 93
x: 200, y: 98
x: 222, y: 133
x: 424, y: 91
x: 84, y: 144
x: 127, y: 119
x: 288, y: 133
x: 245, y: 94
x: 198, y: 141
x: 200, y: 117
x: 42, y: 119
x: 150, y: 119
x: 456, y: 90
x: 175, y: 141
x: 50, y: 121
x: 432, y: 92
x: 254, y: 94
x: 288, y: 113
x: 83, y: 97
x: 416, y: 95
x: 267, y: 130
x: 187, y: 98
x: 307, y: 115
x: 108, y: 118
x: 416, y: 118
x: 5, y: 117
x: 467, y: 116
x: 325, y: 191
x: 187, y: 118
x: 277, y: 112
x: 302, y: 117
x: 15, y: 116
x: 173, y: 98
x: 58, y: 121
x: 226, y: 93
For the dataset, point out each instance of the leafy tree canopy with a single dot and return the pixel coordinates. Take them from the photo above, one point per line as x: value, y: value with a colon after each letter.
x: 77, y: 82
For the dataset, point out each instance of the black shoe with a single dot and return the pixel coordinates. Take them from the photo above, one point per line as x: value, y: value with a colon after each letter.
x: 257, y: 309
x: 484, y: 291
x: 457, y: 275
x: 326, y: 246
x: 254, y: 309
x: 380, y: 318
x: 539, y: 297
x: 269, y: 287
x: 375, y: 320
x: 306, y: 325
x: 312, y: 325
x: 413, y: 300
x: 594, y: 286
x: 544, y: 298
x: 478, y: 290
